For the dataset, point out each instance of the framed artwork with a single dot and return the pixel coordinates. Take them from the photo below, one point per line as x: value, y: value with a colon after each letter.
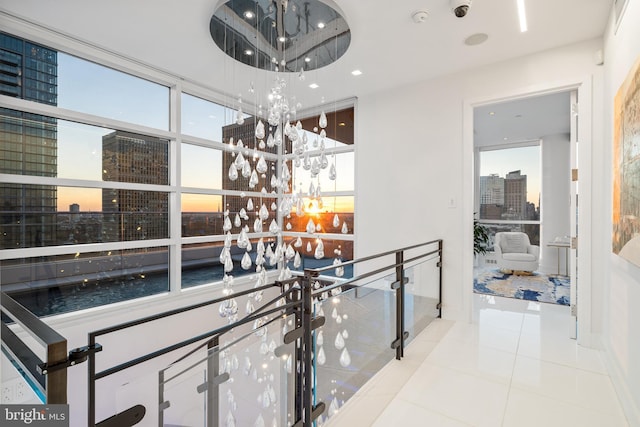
x: 626, y: 168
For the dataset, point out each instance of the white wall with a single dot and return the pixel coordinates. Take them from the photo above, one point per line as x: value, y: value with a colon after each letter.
x: 415, y: 153
x: 555, y: 200
x: 622, y: 293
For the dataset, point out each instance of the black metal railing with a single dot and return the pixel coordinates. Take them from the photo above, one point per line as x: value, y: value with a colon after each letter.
x: 312, y: 410
x: 295, y: 305
x: 49, y: 376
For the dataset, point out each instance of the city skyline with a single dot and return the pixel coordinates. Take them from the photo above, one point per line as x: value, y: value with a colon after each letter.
x: 79, y: 83
x: 506, y: 198
x: 68, y: 151
x: 202, y: 167
x: 526, y: 159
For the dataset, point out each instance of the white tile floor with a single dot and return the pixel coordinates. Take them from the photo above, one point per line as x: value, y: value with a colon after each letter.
x: 513, y: 366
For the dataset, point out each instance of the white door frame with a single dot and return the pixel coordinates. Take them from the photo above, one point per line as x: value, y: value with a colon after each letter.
x: 573, y: 214
x: 585, y: 111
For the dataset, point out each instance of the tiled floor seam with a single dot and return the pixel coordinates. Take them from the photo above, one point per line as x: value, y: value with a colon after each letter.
x: 565, y: 365
x: 513, y: 370
x: 563, y: 401
x: 445, y: 415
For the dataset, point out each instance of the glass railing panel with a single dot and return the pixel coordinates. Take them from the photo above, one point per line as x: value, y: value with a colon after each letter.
x: 355, y: 341
x: 132, y: 391
x: 341, y: 250
x: 255, y: 372
x: 184, y: 394
x: 19, y: 387
x: 421, y: 296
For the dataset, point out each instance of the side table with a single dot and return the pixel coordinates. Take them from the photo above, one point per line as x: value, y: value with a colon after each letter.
x: 558, y: 244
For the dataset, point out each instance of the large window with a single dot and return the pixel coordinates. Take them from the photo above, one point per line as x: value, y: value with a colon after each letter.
x: 121, y: 96
x: 509, y: 190
x: 333, y: 213
x: 107, y: 169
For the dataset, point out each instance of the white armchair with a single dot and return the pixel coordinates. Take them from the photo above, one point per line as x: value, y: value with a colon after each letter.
x: 514, y: 252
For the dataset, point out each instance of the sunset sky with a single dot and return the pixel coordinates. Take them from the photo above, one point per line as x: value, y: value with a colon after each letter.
x: 124, y: 97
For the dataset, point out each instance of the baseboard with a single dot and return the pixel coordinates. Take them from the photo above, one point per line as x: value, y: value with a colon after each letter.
x: 629, y: 406
x: 588, y: 340
x: 457, y: 314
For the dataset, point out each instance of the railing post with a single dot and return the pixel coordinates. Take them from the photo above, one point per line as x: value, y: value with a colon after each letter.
x: 440, y: 279
x: 400, y: 305
x: 213, y: 394
x: 307, y: 345
x: 57, y: 380
x: 161, y: 406
x: 91, y: 368
x: 298, y: 361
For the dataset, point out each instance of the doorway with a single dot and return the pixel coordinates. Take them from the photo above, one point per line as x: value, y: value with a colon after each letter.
x: 524, y: 151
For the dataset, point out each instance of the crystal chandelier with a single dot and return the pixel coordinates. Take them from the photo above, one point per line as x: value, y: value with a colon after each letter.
x: 286, y: 39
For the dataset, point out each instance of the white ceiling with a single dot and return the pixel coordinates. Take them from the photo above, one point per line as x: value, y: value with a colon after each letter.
x: 386, y: 45
x: 522, y: 120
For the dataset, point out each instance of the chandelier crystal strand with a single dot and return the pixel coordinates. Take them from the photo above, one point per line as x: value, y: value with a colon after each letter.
x: 276, y: 128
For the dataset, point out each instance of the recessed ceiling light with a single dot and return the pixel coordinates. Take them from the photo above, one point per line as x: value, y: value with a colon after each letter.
x: 522, y: 16
x: 314, y: 86
x: 248, y: 52
x: 321, y: 25
x: 505, y: 138
x: 492, y: 113
x: 476, y: 39
x: 249, y: 14
x: 356, y: 72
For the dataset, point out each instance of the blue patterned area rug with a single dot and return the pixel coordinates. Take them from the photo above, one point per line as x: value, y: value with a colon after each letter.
x: 534, y: 287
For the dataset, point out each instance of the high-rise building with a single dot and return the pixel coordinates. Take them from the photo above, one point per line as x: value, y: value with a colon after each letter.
x: 74, y: 210
x: 28, y: 144
x: 491, y: 190
x: 491, y: 196
x: 515, y: 196
x: 135, y: 214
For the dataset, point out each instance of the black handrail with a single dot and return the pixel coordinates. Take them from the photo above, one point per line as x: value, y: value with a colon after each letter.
x: 169, y: 349
x: 55, y: 380
x: 94, y: 376
x: 370, y: 257
x: 173, y: 312
x: 298, y: 301
x: 317, y: 271
x: 241, y: 322
x: 365, y: 275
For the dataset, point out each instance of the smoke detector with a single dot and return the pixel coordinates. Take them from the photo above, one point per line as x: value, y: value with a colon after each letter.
x: 420, y: 16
